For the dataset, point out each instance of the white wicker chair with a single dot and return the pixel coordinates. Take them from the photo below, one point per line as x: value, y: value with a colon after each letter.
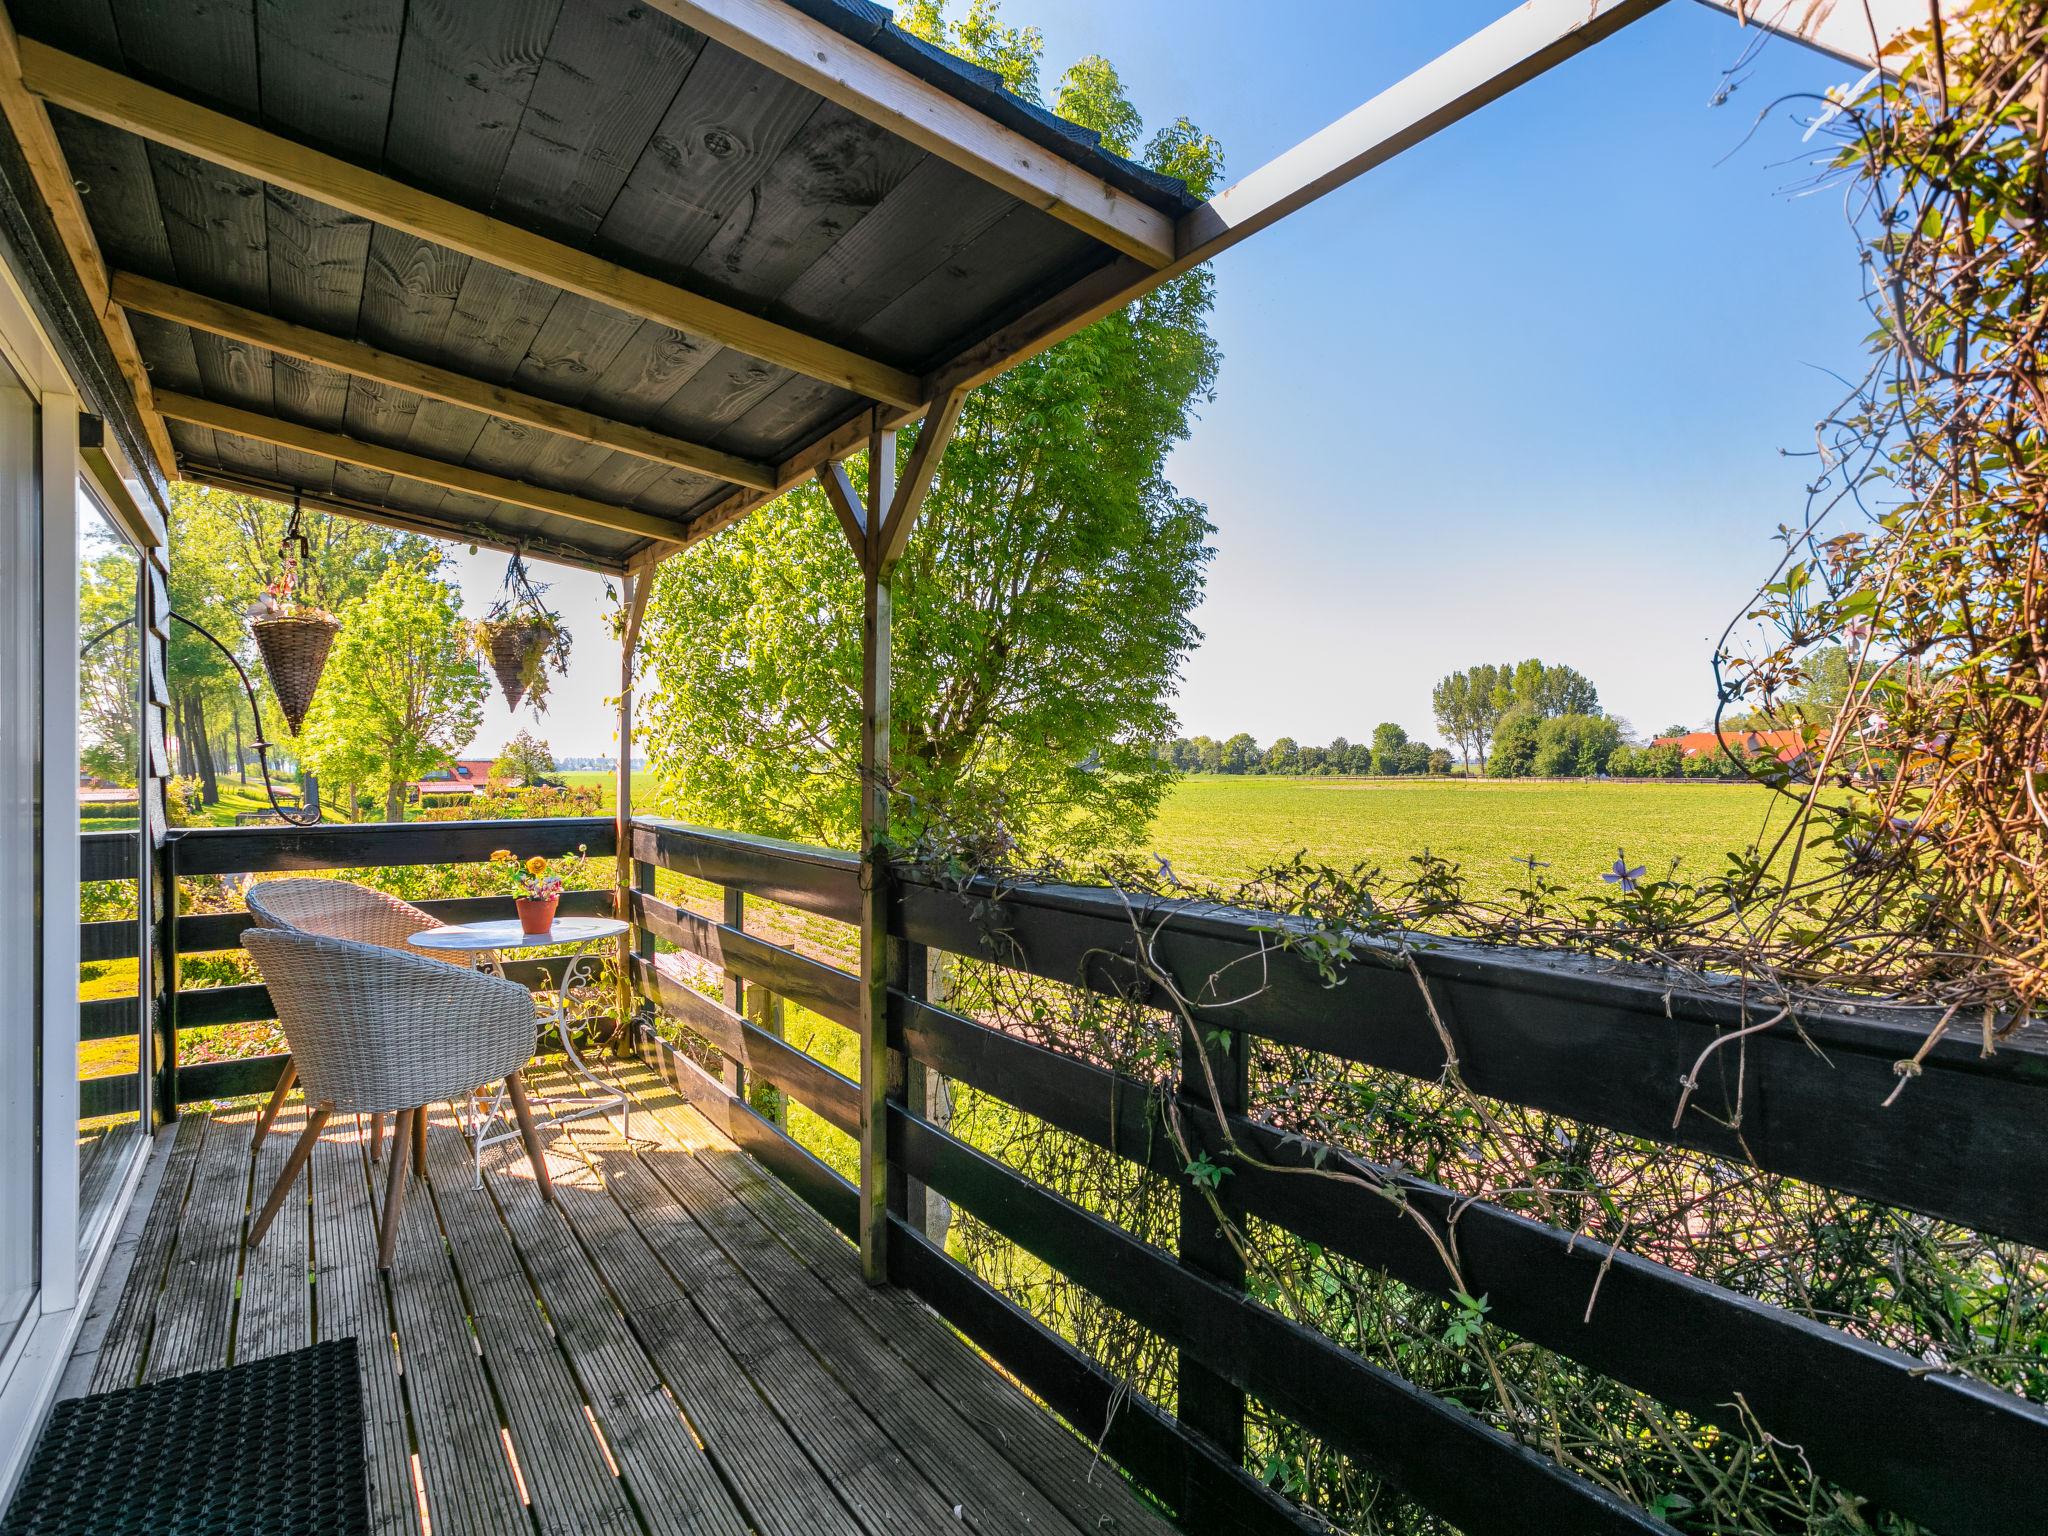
x: 338, y: 910
x: 378, y: 1031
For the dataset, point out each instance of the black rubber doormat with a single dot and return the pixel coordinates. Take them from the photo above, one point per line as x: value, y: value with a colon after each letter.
x: 270, y: 1448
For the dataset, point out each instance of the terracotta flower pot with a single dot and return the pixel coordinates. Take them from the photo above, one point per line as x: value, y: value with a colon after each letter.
x: 537, y: 913
x: 294, y: 650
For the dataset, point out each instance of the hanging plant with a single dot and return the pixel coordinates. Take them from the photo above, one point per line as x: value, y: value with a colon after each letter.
x: 524, y: 639
x: 292, y: 634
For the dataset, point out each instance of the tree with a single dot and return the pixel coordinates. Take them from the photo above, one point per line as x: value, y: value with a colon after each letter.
x: 1041, y: 610
x: 1514, y: 744
x: 1239, y: 754
x: 1387, y: 741
x: 1284, y: 756
x: 1553, y: 689
x: 1574, y: 746
x: 526, y: 758
x: 1469, y: 705
x: 401, y: 694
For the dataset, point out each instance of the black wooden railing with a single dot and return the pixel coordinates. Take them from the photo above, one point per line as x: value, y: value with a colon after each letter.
x: 1968, y: 1143
x: 259, y: 850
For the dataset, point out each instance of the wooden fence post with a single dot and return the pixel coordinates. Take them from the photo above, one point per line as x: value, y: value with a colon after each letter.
x: 1208, y: 1402
x: 164, y: 987
x: 732, y: 990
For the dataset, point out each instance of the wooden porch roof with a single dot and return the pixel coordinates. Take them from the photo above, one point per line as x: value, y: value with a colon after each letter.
x: 581, y: 275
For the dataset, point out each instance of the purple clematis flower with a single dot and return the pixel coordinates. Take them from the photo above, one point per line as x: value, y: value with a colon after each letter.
x: 1621, y: 874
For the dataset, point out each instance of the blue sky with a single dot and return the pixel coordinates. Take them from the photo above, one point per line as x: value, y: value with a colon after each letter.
x: 1521, y: 391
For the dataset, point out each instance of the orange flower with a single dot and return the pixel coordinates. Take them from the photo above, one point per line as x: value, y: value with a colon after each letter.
x: 502, y: 856
x: 536, y: 866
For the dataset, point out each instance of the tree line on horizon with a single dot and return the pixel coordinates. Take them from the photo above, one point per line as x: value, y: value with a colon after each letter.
x: 1518, y: 720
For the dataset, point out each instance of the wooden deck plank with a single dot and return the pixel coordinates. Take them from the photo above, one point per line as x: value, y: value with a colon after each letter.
x: 469, y: 1483
x: 990, y: 1494
x: 1060, y: 1461
x: 196, y: 1313
x: 571, y: 1489
x: 276, y: 1314
x: 783, y: 1493
x: 669, y: 1474
x: 350, y: 1303
x: 868, y: 1469
x: 127, y: 1339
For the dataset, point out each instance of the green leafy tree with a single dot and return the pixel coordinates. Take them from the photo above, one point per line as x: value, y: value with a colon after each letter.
x: 1283, y: 757
x: 1239, y: 754
x: 1552, y: 689
x: 1042, y: 608
x: 1387, y: 741
x: 401, y: 694
x: 1574, y: 746
x: 1514, y: 745
x: 526, y: 757
x: 1468, y: 707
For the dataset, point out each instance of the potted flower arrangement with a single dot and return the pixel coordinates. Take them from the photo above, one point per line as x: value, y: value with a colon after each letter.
x: 524, y: 639
x: 536, y: 890
x: 293, y: 637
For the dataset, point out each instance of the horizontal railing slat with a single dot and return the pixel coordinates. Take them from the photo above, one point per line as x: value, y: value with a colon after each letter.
x: 819, y: 1187
x: 1606, y: 1308
x: 201, y: 932
x: 229, y: 1079
x: 802, y: 1076
x: 1474, y: 1476
x: 110, y: 1018
x: 825, y: 990
x: 118, y: 938
x: 257, y: 850
x: 112, y: 1095
x: 109, y: 856
x: 1967, y: 1140
x: 810, y: 879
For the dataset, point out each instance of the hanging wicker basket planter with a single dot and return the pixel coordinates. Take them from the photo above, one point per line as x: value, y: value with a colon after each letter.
x: 294, y: 648
x: 524, y: 639
x: 518, y: 649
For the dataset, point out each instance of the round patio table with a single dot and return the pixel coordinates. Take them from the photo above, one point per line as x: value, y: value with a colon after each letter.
x: 483, y: 944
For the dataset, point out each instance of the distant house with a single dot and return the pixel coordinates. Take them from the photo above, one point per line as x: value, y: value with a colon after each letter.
x: 464, y: 776
x: 1788, y: 747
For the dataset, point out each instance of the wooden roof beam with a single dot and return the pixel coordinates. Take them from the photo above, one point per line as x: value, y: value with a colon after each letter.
x: 126, y: 103
x: 166, y: 302
x: 280, y: 433
x: 783, y: 39
x: 30, y: 121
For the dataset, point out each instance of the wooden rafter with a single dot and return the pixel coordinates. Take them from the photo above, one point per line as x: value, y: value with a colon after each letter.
x: 163, y: 118
x: 411, y: 466
x: 30, y: 121
x: 781, y: 38
x: 151, y: 297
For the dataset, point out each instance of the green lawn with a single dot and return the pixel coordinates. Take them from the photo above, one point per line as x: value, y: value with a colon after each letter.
x: 1225, y: 827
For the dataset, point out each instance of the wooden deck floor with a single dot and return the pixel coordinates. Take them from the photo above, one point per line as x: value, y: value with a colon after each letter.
x: 678, y: 1345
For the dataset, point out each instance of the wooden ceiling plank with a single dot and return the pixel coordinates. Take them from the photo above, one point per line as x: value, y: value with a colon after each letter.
x: 366, y: 362
x: 780, y: 37
x: 30, y: 121
x: 411, y: 466
x: 126, y: 103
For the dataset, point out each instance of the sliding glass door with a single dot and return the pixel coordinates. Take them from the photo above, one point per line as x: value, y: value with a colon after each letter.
x: 112, y: 1044
x: 21, y: 735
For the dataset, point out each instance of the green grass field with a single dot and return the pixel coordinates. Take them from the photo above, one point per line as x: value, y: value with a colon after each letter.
x: 1224, y: 828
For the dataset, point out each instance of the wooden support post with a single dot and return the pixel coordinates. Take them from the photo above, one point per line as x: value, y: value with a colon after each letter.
x: 1209, y: 1403
x: 637, y: 583
x: 880, y: 956
x: 765, y: 1013
x: 165, y: 865
x: 913, y: 1205
x: 732, y: 990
